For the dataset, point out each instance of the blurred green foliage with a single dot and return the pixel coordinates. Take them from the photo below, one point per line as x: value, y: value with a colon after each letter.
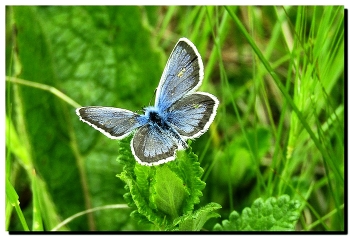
x: 114, y: 56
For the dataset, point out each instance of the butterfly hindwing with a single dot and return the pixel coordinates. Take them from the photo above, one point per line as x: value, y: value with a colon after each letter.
x: 183, y: 74
x: 115, y: 123
x: 153, y: 146
x: 193, y: 114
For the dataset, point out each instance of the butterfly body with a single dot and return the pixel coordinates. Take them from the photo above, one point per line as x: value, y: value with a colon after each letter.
x: 159, y: 121
x: 180, y: 113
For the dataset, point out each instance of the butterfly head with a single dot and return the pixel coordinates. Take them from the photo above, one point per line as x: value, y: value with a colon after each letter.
x: 154, y: 116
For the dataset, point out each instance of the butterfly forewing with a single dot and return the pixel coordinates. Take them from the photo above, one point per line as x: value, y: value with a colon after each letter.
x: 113, y: 122
x: 183, y: 74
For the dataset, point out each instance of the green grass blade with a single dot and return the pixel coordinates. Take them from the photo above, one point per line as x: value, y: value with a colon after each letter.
x: 12, y: 198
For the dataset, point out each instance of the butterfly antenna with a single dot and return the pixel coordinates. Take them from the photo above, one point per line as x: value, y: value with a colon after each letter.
x: 154, y: 94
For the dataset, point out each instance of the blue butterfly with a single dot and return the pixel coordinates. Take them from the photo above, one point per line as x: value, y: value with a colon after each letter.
x: 179, y: 112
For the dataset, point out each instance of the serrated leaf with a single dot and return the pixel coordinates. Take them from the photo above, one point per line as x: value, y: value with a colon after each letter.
x: 140, y: 218
x: 140, y: 201
x: 165, y: 192
x: 187, y: 167
x: 136, y: 190
x: 143, y: 174
x: 195, y: 221
x: 273, y: 214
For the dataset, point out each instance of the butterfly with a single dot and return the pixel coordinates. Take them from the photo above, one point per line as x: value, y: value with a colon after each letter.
x: 180, y: 113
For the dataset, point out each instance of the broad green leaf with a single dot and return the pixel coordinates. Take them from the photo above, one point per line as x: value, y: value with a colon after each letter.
x: 168, y: 192
x: 46, y: 117
x: 236, y: 162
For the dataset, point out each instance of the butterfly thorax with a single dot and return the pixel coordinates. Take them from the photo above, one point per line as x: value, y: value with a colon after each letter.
x: 155, y: 117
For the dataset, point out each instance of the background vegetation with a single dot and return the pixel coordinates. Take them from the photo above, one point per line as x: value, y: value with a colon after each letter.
x: 277, y: 71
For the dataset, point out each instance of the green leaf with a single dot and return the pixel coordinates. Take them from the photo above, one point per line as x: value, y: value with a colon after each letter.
x: 50, y: 149
x: 169, y: 193
x: 137, y: 185
x: 273, y: 214
x: 195, y: 221
x: 237, y: 159
x: 164, y: 192
x: 187, y: 167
